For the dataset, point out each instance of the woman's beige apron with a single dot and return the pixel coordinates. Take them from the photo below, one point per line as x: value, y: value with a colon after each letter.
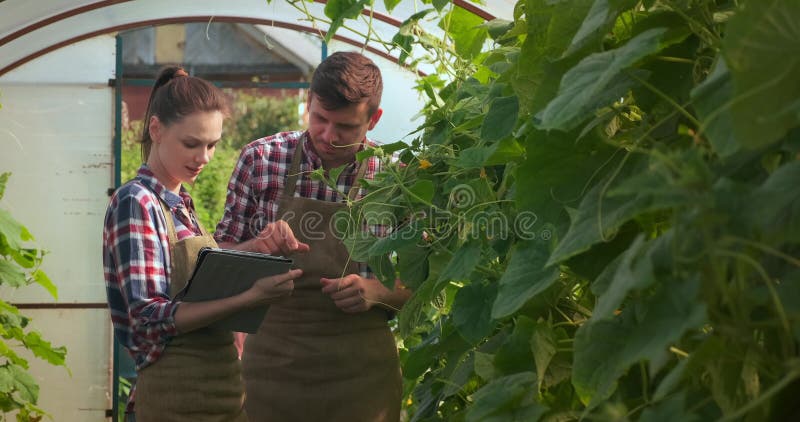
x: 309, y: 360
x: 198, y: 377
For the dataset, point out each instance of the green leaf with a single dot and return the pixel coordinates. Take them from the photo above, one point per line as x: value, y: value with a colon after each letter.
x: 40, y: 277
x: 506, y: 399
x: 423, y: 191
x: 516, y: 354
x: 525, y: 277
x: 390, y: 4
x: 556, y: 172
x: 550, y: 26
x: 635, y: 271
x: 505, y: 151
x: 775, y: 205
x: 15, y: 379
x: 639, y: 191
x: 762, y: 49
x: 10, y: 274
x: 465, y: 29
x: 472, y: 310
x: 13, y: 232
x: 440, y: 4
x: 44, y: 350
x: 671, y: 381
x: 543, y: 346
x: 464, y: 260
x: 383, y: 269
x: 598, y: 22
x: 501, y: 118
x: 407, y: 236
x: 3, y: 181
x: 497, y: 28
x: 597, y: 81
x: 484, y: 365
x: 358, y: 245
x: 412, y: 265
x: 339, y: 10
x: 710, y: 98
x: 474, y: 157
x: 672, y: 409
x: 606, y: 348
x: 333, y: 176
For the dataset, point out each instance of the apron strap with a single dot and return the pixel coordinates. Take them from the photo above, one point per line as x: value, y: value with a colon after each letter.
x: 294, y: 173
x: 171, y: 232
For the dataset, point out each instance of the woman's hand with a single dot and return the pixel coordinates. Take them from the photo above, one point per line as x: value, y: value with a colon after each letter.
x: 273, y: 287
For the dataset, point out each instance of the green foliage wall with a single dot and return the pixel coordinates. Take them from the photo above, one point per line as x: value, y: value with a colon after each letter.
x: 600, y: 218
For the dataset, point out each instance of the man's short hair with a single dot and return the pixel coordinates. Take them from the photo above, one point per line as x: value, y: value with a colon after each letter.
x: 346, y: 78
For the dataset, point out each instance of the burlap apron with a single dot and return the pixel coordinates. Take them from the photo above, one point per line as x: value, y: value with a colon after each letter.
x: 198, y: 377
x: 309, y: 360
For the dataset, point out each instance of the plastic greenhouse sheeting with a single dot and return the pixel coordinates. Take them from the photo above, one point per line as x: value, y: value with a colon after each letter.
x: 29, y: 29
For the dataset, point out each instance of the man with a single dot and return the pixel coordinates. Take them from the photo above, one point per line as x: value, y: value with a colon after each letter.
x: 325, y: 353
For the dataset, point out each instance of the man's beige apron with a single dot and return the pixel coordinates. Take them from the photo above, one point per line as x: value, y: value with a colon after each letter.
x: 309, y: 360
x: 198, y: 377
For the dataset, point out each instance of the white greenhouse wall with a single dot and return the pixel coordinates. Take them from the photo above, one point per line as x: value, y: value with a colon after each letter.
x: 56, y: 137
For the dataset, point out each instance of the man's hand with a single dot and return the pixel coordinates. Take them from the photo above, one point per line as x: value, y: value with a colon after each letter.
x: 353, y: 293
x: 276, y: 239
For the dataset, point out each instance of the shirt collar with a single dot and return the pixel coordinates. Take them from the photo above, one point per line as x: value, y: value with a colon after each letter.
x: 146, y: 177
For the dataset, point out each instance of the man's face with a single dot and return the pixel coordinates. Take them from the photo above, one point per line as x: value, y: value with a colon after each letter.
x: 336, y: 135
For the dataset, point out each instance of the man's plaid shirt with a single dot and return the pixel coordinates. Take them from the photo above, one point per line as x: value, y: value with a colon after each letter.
x: 258, y: 181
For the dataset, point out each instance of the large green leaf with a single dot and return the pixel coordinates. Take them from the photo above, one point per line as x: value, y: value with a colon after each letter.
x: 598, y: 22
x: 516, y: 354
x: 43, y: 280
x: 463, y: 262
x: 507, y: 399
x: 762, y: 50
x: 606, y: 348
x: 339, y: 10
x: 597, y: 81
x: 775, y: 205
x: 636, y: 190
x: 556, y: 172
x: 383, y: 269
x: 412, y: 265
x: 43, y: 349
x: 543, y: 346
x: 10, y: 274
x: 407, y: 236
x: 472, y: 310
x: 466, y: 30
x: 709, y: 99
x: 525, y: 277
x: 635, y: 271
x: 501, y: 118
x: 16, y: 380
x: 672, y: 409
x: 551, y: 26
x: 12, y: 231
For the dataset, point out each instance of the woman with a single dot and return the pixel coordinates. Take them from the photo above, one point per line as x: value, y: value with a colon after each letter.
x: 186, y: 371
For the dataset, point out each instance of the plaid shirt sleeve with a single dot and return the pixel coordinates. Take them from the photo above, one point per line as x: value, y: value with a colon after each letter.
x: 135, y: 255
x: 239, y: 203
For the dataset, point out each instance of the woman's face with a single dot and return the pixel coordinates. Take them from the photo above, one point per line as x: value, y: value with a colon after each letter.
x: 181, y: 149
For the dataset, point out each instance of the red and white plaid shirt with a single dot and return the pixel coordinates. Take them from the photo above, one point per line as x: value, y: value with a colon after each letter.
x: 136, y: 264
x: 258, y: 182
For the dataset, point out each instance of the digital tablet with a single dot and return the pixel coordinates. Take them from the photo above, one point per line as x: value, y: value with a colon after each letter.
x: 222, y: 273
